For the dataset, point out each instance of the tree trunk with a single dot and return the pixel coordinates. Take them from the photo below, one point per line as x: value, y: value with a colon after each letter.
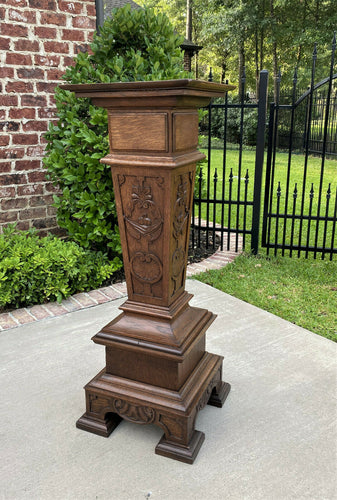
x: 189, y: 20
x: 256, y: 64
x: 223, y: 71
x: 272, y: 16
x: 275, y: 69
x: 241, y: 64
x: 304, y: 23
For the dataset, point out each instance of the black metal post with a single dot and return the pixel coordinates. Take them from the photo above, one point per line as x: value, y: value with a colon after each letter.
x: 99, y: 14
x: 242, y: 109
x: 290, y: 152
x: 324, y: 145
x: 308, y: 129
x: 259, y: 158
x: 224, y: 168
x: 266, y: 211
x: 209, y: 155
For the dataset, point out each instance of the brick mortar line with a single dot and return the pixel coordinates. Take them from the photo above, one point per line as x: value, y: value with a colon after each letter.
x: 104, y: 294
x: 86, y: 294
x: 75, y: 300
x: 48, y: 311
x: 13, y: 319
x: 28, y: 312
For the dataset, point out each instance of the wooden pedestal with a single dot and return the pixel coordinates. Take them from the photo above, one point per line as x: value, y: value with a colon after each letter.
x: 157, y: 370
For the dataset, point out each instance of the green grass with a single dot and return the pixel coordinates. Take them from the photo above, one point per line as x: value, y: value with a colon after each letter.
x: 301, y: 291
x: 240, y: 189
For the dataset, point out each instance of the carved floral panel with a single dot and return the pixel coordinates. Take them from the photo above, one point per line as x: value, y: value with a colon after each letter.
x: 143, y: 215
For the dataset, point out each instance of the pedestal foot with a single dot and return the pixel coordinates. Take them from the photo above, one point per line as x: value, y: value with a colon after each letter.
x: 186, y: 454
x: 102, y: 427
x: 218, y: 397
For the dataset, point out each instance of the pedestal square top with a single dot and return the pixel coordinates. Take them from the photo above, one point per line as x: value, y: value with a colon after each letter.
x: 190, y: 93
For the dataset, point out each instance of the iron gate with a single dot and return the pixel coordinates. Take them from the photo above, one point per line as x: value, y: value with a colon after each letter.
x: 300, y: 204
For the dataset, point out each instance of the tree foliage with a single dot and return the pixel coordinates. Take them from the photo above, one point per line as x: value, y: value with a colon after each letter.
x: 264, y: 34
x: 133, y: 45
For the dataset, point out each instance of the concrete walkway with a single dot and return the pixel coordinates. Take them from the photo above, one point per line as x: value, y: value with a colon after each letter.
x: 275, y: 438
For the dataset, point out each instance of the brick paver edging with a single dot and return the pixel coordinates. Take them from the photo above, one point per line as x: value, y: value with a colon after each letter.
x: 79, y: 301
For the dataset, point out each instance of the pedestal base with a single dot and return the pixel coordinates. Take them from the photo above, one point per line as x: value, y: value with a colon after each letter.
x: 111, y: 399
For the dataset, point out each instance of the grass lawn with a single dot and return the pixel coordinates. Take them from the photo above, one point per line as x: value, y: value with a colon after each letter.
x: 240, y: 188
x: 301, y: 291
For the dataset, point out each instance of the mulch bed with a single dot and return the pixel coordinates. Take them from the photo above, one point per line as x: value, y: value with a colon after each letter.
x: 204, y: 250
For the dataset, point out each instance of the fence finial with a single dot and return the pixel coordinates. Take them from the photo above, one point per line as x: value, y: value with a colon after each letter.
x: 295, y: 191
x: 312, y: 191
x: 210, y: 75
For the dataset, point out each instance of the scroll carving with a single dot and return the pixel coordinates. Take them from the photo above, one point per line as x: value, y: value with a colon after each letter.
x: 178, y: 262
x: 207, y: 394
x: 121, y: 179
x: 181, y: 217
x: 181, y: 207
x: 146, y: 267
x: 134, y: 413
x: 173, y: 428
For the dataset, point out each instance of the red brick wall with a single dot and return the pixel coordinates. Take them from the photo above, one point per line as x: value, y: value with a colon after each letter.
x: 187, y: 61
x: 38, y: 39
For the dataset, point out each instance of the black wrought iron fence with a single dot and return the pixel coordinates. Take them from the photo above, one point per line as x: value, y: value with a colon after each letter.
x: 321, y: 100
x: 300, y: 198
x: 228, y: 192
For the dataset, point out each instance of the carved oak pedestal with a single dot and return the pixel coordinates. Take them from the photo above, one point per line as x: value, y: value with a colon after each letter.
x: 157, y: 370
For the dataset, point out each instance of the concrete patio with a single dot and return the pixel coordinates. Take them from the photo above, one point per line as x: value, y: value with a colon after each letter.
x: 275, y: 438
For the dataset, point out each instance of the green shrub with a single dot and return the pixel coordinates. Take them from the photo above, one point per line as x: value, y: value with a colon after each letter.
x: 34, y: 270
x: 133, y: 45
